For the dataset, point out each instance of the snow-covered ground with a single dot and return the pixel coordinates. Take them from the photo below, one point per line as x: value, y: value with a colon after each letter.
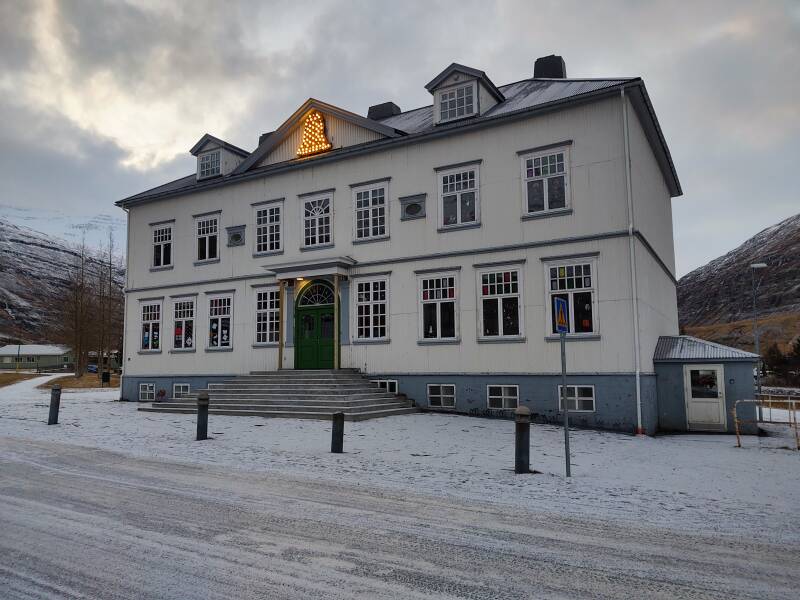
x: 687, y: 482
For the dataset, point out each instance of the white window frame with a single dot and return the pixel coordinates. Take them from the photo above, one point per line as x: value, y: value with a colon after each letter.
x: 440, y: 177
x: 183, y: 319
x: 369, y: 189
x: 387, y: 384
x: 473, y: 85
x: 502, y: 397
x: 442, y: 395
x: 575, y: 386
x: 270, y: 336
x: 498, y: 297
x: 549, y: 293
x: 151, y: 322
x: 456, y: 309
x: 267, y: 228
x: 219, y: 318
x: 176, y: 394
x: 147, y: 392
x: 524, y: 158
x: 214, y: 169
x: 357, y: 303
x: 205, y: 235
x: 160, y: 240
x: 316, y: 198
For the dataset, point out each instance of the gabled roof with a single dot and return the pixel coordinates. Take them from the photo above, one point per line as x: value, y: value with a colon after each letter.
x: 33, y: 350
x: 208, y: 138
x: 678, y: 348
x: 479, y: 75
x: 277, y: 136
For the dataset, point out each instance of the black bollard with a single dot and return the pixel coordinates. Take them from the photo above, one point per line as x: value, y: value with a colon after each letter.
x: 202, y: 416
x: 55, y: 404
x: 522, y: 442
x: 337, y: 433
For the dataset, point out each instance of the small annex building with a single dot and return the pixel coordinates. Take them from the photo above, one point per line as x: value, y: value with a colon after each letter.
x: 34, y: 356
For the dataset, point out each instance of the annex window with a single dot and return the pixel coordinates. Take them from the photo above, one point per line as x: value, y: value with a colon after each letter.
x: 458, y: 197
x: 370, y: 212
x: 438, y: 298
x: 151, y: 327
x: 501, y: 304
x: 441, y: 395
x: 209, y: 164
x: 457, y: 102
x: 147, y: 392
x: 390, y: 385
x: 184, y: 325
x: 181, y: 390
x: 580, y: 398
x: 269, y: 228
x: 207, y: 238
x: 371, y: 309
x: 502, y: 397
x: 268, y: 304
x: 546, y: 181
x: 162, y: 246
x: 220, y: 313
x: 573, y: 283
x: 317, y: 221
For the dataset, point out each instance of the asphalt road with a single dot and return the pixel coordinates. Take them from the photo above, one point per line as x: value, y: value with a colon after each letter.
x: 85, y: 523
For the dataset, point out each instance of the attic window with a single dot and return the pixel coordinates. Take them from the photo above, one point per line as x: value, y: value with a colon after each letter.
x: 209, y: 164
x: 457, y: 102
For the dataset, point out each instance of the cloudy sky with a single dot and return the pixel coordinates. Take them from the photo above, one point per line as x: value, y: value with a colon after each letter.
x: 103, y: 100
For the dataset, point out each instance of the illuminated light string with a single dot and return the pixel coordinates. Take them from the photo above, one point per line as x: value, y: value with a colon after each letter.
x: 314, y: 139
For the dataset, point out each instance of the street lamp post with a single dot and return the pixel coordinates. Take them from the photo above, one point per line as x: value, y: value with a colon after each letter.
x: 753, y: 268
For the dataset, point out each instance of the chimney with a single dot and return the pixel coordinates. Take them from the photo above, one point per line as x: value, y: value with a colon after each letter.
x: 264, y: 136
x: 383, y: 111
x: 550, y: 67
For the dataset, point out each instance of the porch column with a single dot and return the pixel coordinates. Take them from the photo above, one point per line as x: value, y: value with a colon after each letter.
x: 281, y: 321
x: 336, y: 321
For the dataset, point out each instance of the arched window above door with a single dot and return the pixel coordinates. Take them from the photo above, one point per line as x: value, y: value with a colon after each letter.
x: 316, y: 294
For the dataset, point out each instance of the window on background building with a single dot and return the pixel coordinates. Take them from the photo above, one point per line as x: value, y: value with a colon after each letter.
x: 209, y: 164
x: 269, y: 228
x: 220, y: 331
x: 546, y: 181
x: 390, y: 385
x: 370, y: 212
x: 458, y: 198
x: 580, y: 398
x: 457, y: 102
x: 371, y: 309
x: 502, y: 397
x: 184, y: 325
x: 151, y: 327
x: 438, y: 298
x: 181, y: 390
x: 207, y: 238
x: 317, y: 222
x: 147, y: 392
x: 441, y: 395
x: 268, y: 317
x: 162, y: 246
x: 501, y: 306
x: 573, y: 283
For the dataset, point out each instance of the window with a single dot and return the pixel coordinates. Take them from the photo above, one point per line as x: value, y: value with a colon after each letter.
x: 207, y: 238
x: 268, y: 324
x: 370, y: 212
x: 501, y: 306
x: 147, y: 392
x: 268, y: 228
x: 458, y: 201
x: 502, y: 397
x: 184, y: 325
x: 580, y: 398
x: 441, y: 395
x: 220, y: 310
x: 457, y: 102
x: 181, y: 390
x: 390, y: 385
x: 151, y: 327
x: 573, y: 283
x: 209, y: 164
x: 162, y: 246
x: 546, y: 181
x: 438, y: 297
x: 317, y: 222
x: 371, y: 309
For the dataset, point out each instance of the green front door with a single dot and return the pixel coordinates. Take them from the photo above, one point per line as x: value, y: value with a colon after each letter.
x: 314, y: 337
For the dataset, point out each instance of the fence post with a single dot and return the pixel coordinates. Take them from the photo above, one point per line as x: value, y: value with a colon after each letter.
x: 202, y: 416
x: 55, y: 404
x: 337, y: 433
x: 522, y: 440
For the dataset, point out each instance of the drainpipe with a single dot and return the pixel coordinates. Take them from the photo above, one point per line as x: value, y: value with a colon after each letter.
x: 125, y: 340
x: 632, y: 251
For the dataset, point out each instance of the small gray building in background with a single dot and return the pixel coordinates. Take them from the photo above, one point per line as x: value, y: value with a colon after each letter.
x: 699, y: 383
x: 36, y: 357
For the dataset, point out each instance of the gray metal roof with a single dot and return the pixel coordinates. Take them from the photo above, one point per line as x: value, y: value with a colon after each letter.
x: 677, y: 348
x: 33, y: 350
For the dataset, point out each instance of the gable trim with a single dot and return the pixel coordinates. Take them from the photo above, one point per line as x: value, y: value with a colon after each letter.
x: 481, y: 76
x: 208, y: 139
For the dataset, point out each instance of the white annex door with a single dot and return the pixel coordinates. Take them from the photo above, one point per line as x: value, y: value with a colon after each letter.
x: 704, y: 390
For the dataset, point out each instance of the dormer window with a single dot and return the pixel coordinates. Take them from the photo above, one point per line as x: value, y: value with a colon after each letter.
x: 457, y: 102
x: 209, y: 164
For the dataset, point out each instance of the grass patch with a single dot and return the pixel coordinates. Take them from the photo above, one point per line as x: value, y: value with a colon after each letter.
x: 9, y: 378
x: 88, y: 381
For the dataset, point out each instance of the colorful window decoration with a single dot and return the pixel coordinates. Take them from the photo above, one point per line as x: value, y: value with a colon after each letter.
x: 500, y: 304
x: 219, y: 327
x: 573, y: 283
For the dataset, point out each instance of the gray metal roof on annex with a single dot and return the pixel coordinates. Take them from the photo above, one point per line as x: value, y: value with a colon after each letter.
x: 33, y: 350
x: 675, y: 348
